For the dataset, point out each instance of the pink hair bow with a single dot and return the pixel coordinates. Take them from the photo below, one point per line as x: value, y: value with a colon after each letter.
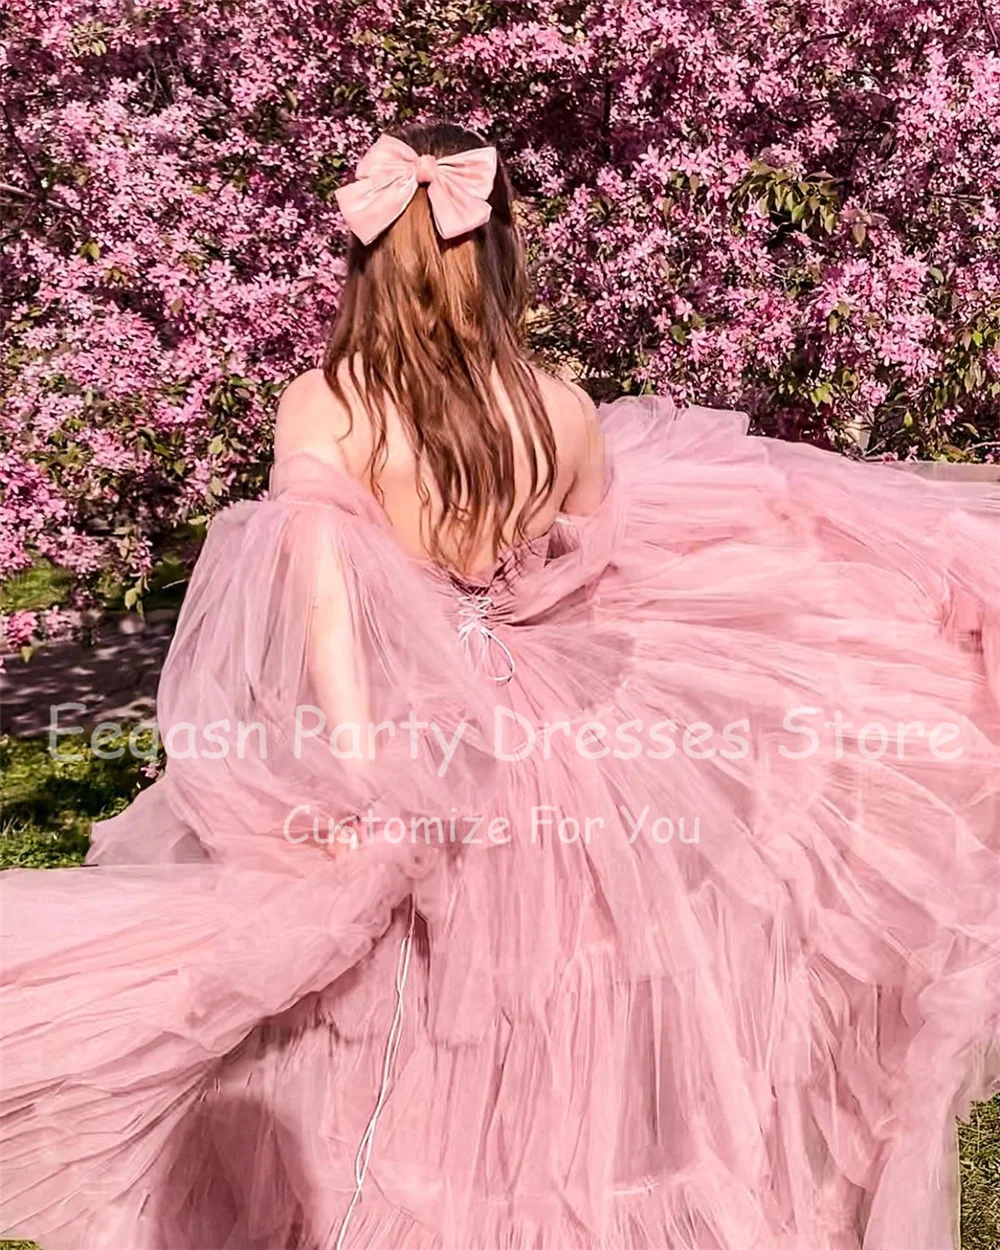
x: 387, y: 179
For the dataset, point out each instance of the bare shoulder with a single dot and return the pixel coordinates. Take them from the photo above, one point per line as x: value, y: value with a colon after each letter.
x: 311, y: 419
x: 565, y: 399
x: 584, y: 401
x: 578, y: 430
x: 574, y: 415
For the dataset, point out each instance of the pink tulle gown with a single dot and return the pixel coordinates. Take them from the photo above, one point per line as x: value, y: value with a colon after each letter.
x: 701, y: 956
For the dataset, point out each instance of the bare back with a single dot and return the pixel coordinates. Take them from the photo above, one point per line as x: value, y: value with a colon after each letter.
x: 310, y: 419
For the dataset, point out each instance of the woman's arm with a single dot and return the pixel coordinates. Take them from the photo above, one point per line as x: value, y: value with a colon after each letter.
x: 587, y: 490
x: 311, y: 421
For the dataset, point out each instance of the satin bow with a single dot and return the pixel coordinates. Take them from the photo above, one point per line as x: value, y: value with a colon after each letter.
x: 387, y: 179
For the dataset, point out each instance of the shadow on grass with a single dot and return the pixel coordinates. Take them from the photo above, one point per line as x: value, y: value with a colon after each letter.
x: 47, y: 804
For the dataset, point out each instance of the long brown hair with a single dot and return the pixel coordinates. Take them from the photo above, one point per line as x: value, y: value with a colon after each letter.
x: 428, y: 321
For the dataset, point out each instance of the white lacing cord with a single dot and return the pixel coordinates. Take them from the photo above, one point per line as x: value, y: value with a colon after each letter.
x: 473, y: 612
x: 363, y: 1157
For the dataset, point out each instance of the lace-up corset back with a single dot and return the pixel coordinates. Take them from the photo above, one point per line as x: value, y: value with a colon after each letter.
x: 483, y: 607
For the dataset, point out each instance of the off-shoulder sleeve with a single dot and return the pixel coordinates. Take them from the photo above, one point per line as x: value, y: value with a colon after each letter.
x: 313, y: 676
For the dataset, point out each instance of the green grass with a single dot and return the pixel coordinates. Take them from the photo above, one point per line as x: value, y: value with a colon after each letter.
x: 47, y: 804
x: 979, y: 1146
x: 40, y: 586
x: 47, y: 808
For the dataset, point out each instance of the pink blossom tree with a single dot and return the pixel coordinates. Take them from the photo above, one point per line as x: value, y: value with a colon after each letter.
x: 783, y: 207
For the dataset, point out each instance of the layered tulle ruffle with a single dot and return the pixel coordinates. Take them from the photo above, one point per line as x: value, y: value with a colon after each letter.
x: 706, y: 947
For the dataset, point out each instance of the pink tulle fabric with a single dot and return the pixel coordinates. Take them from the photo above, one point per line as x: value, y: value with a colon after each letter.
x: 738, y: 1011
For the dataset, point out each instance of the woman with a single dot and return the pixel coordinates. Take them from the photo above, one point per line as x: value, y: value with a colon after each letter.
x: 579, y: 830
